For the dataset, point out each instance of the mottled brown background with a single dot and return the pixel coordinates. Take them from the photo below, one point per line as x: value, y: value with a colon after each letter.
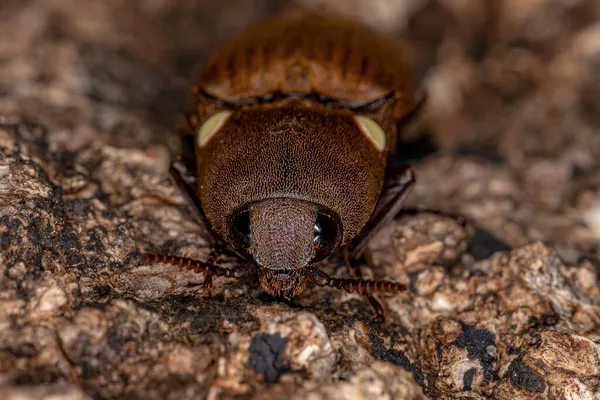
x: 510, y: 137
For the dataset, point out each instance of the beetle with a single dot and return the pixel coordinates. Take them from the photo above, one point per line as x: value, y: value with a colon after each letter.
x: 297, y: 123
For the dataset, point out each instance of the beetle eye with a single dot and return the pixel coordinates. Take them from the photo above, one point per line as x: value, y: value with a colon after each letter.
x: 238, y: 233
x: 327, y: 236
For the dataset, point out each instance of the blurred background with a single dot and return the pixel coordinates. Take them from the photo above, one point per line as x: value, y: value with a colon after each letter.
x: 510, y: 135
x: 90, y: 93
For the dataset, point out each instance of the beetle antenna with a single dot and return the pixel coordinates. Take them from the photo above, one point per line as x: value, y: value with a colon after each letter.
x: 199, y: 267
x: 361, y: 286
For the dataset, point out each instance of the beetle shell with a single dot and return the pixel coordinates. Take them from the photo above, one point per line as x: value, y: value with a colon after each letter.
x: 308, y: 54
x: 284, y: 152
x: 296, y: 122
x: 293, y: 86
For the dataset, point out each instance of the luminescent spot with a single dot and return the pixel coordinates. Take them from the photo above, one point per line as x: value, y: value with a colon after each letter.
x: 211, y: 126
x: 371, y: 130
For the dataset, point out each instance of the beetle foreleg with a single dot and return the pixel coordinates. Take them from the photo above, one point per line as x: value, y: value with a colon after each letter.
x: 355, y: 272
x: 185, y: 179
x: 393, y: 196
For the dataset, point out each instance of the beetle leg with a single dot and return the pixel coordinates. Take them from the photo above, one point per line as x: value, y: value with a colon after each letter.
x: 207, y: 284
x: 389, y: 207
x: 355, y: 272
x: 393, y: 196
x: 180, y: 170
x: 186, y: 181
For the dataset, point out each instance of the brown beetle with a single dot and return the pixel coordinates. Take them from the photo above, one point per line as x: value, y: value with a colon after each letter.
x: 295, y: 143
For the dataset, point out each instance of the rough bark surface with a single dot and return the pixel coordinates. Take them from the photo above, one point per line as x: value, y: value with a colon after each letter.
x: 507, y: 307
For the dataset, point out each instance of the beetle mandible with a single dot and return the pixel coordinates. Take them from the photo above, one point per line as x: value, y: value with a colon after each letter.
x: 296, y: 130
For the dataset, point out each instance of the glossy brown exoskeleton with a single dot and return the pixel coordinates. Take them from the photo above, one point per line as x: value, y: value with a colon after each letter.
x: 297, y: 123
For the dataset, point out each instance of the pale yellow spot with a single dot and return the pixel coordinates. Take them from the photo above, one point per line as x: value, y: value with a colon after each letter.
x: 211, y: 126
x: 371, y: 130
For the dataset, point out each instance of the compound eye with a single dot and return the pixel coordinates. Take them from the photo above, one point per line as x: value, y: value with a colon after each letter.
x: 238, y: 233
x: 327, y: 236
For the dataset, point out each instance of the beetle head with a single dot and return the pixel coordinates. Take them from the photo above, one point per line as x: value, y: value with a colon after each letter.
x: 283, y: 236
